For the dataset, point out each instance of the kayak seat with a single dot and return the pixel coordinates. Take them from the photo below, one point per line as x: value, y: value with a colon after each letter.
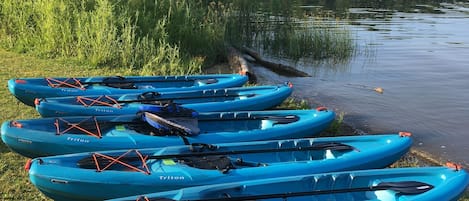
x: 121, y: 85
x: 206, y: 81
x: 118, y: 82
x: 221, y: 163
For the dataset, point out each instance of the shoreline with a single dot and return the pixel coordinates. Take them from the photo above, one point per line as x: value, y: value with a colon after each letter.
x: 418, y: 157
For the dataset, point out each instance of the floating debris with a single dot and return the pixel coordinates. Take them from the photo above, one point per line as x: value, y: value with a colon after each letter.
x: 379, y: 90
x: 361, y: 86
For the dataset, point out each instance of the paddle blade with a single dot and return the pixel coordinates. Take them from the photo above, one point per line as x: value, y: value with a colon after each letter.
x: 405, y: 187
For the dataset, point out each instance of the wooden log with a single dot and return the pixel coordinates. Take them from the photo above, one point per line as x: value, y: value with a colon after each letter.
x: 275, y: 67
x: 237, y: 61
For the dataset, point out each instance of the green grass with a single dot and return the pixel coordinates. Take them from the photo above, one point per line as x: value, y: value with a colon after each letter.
x: 14, y: 182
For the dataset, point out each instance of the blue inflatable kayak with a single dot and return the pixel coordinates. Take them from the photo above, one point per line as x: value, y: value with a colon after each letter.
x: 393, y: 184
x: 135, y: 172
x: 62, y: 135
x: 210, y: 100
x: 27, y: 89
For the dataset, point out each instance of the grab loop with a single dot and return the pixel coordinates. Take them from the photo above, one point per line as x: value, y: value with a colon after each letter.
x: 321, y: 108
x: 16, y: 124
x: 454, y: 166
x: 27, y: 166
x: 405, y: 134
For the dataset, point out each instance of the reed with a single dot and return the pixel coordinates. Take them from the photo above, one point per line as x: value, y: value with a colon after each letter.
x: 168, y: 36
x: 283, y: 30
x: 161, y: 37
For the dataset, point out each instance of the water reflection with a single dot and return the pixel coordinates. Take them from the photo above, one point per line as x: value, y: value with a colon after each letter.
x: 285, y: 30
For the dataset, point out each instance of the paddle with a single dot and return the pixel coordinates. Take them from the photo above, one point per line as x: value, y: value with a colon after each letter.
x: 402, y: 187
x: 184, y: 97
x: 89, y: 162
x: 278, y: 119
x: 118, y: 82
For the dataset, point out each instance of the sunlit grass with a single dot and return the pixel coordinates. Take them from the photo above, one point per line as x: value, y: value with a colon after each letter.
x: 14, y: 181
x: 162, y: 37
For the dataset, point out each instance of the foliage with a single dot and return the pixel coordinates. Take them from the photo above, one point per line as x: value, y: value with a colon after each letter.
x: 294, y: 104
x: 335, y: 128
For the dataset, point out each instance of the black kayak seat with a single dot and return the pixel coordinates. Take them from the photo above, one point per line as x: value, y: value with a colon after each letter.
x: 118, y: 82
x: 207, y: 81
x: 221, y: 163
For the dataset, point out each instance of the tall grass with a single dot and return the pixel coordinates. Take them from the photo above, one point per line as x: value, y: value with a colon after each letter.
x: 164, y: 36
x: 280, y: 28
x: 161, y: 37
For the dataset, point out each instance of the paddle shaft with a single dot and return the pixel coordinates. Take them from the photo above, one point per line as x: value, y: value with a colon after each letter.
x: 232, y: 152
x: 331, y: 146
x: 184, y: 97
x: 140, y: 81
x: 402, y: 187
x: 207, y: 119
x: 421, y: 188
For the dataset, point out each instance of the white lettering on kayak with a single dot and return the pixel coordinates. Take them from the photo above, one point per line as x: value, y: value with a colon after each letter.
x: 69, y: 90
x: 104, y: 110
x: 75, y: 139
x: 25, y: 141
x: 172, y: 178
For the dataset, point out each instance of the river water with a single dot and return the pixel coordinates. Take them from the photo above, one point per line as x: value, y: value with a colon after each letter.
x: 419, y: 55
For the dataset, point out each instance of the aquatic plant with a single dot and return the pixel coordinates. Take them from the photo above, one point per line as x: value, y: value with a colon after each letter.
x: 282, y: 29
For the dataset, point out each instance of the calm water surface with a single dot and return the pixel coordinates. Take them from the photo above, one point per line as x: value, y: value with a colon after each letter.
x: 420, y: 57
